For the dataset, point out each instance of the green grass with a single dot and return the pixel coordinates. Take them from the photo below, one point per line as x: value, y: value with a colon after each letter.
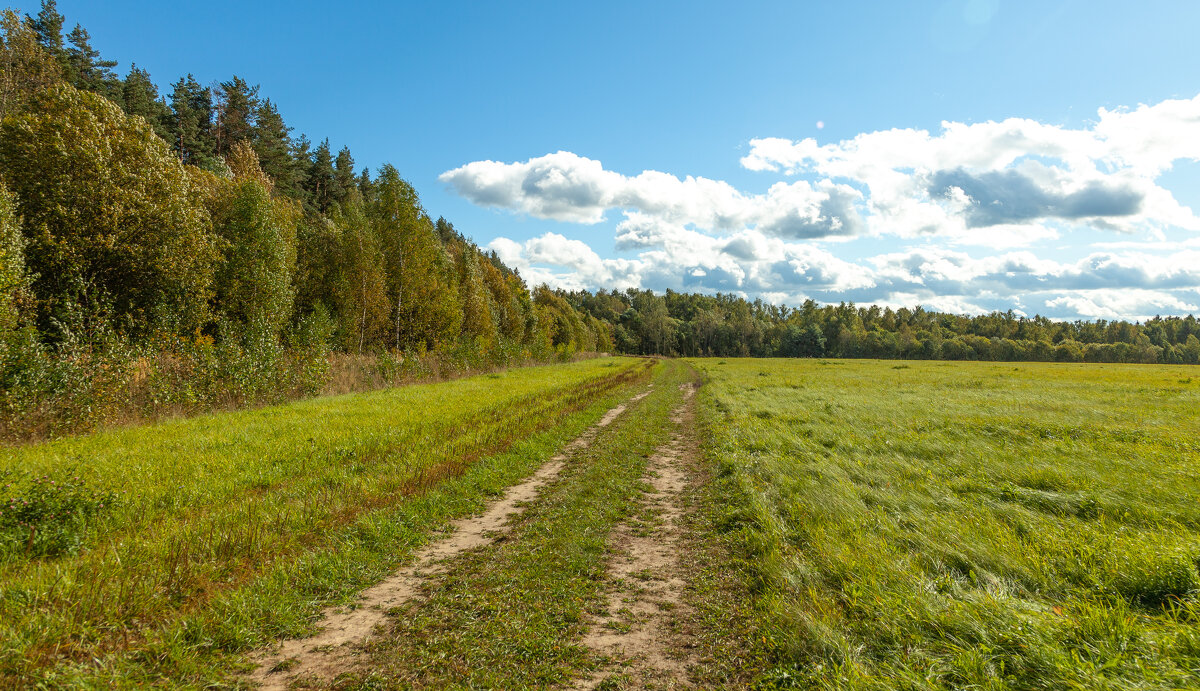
x: 229, y: 530
x: 510, y: 616
x: 852, y: 525
x: 727, y: 634
x: 965, y: 525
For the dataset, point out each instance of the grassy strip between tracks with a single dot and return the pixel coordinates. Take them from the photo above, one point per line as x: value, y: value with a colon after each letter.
x: 511, y: 615
x: 184, y: 544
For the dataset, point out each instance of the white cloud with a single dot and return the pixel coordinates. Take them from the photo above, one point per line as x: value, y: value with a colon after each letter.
x: 1121, y: 304
x: 1150, y: 138
x: 1132, y: 285
x: 953, y: 304
x: 1009, y: 177
x: 566, y: 187
x: 747, y: 263
x: 559, y: 186
x: 1002, y: 188
x: 948, y: 272
x: 584, y: 268
x: 1010, y: 174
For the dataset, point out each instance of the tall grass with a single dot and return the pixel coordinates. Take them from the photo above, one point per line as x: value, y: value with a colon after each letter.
x: 48, y: 392
x: 207, y: 506
x: 966, y: 525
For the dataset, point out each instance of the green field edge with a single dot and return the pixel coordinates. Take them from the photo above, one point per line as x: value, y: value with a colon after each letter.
x: 208, y: 649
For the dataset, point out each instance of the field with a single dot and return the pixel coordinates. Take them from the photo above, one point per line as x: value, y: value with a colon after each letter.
x: 214, y: 534
x: 966, y: 525
x: 627, y: 523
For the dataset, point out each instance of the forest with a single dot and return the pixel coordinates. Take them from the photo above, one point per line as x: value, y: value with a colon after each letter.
x: 180, y: 251
x: 693, y: 325
x: 185, y: 251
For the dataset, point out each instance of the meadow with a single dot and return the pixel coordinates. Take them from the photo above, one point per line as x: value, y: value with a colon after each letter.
x: 848, y: 524
x: 161, y: 552
x: 941, y: 525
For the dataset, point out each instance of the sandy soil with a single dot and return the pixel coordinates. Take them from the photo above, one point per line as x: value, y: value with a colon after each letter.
x: 637, y: 635
x: 323, y: 656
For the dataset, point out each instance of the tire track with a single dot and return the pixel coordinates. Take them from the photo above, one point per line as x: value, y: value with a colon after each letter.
x: 331, y: 651
x: 636, y: 633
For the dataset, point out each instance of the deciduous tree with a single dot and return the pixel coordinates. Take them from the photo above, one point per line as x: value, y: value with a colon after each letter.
x: 421, y: 281
x: 257, y: 238
x: 13, y: 278
x: 114, y: 229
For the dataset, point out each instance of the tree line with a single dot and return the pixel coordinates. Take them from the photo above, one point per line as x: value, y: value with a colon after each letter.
x: 201, y: 211
x: 139, y: 231
x: 731, y: 326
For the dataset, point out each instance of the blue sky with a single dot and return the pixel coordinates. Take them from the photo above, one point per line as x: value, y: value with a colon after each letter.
x: 1064, y: 212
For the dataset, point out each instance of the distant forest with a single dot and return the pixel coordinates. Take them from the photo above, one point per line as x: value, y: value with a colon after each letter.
x: 727, y: 325
x: 181, y: 249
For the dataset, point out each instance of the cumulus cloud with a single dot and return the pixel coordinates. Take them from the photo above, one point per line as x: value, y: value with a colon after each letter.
x: 560, y: 186
x: 567, y: 187
x: 997, y: 197
x: 1130, y: 285
x: 747, y: 263
x: 576, y: 264
x: 1120, y: 304
x: 1106, y: 285
x: 1016, y: 173
x: 1013, y: 172
x: 956, y: 273
x: 1003, y: 188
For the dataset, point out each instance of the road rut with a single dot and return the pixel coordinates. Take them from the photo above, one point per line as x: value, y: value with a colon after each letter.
x: 323, y: 656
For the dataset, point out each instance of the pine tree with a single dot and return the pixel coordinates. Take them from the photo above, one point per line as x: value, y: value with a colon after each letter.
x: 237, y: 103
x: 445, y: 230
x: 48, y: 26
x: 321, y: 180
x: 86, y: 70
x: 139, y: 96
x: 301, y: 162
x: 192, y: 127
x: 273, y: 144
x: 138, y: 93
x: 365, y: 186
x: 344, y: 174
